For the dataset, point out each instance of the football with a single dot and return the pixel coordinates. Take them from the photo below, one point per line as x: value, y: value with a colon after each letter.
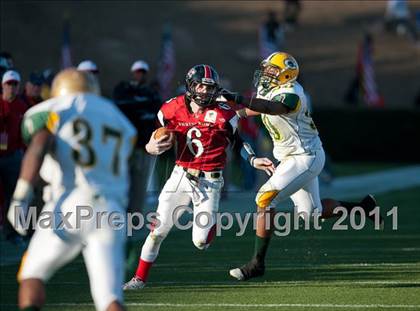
x: 162, y: 131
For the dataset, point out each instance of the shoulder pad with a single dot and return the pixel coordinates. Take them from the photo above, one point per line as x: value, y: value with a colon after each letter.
x: 33, y: 123
x: 38, y: 117
x: 289, y: 85
x: 170, y: 99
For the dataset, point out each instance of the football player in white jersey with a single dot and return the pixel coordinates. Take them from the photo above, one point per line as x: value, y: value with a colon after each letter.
x: 86, y: 143
x: 281, y: 102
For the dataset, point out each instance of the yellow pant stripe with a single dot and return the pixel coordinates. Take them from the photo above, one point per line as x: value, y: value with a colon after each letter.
x: 265, y: 198
x: 22, y: 262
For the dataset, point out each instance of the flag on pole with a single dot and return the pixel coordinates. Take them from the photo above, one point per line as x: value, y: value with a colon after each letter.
x: 166, y: 64
x: 366, y: 73
x: 65, y: 47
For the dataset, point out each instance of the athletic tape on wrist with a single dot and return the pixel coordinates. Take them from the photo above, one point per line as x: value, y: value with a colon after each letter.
x: 241, y: 113
x: 247, y: 152
x: 252, y: 160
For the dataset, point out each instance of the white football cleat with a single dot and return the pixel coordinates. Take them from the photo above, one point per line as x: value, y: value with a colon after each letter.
x: 134, y: 283
x: 237, y: 274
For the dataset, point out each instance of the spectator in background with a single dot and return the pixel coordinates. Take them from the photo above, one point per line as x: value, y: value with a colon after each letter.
x: 398, y: 19
x: 291, y: 13
x: 140, y: 103
x: 32, y: 93
x: 139, y: 70
x: 88, y: 66
x: 155, y: 87
x: 6, y: 63
x: 271, y: 36
x: 12, y: 109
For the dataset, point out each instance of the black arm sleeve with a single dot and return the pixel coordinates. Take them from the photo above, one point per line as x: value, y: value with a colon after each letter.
x: 234, y: 139
x: 266, y: 106
x: 242, y: 148
x: 257, y: 104
x: 237, y: 143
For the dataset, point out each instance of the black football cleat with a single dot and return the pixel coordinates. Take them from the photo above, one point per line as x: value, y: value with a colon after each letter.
x: 250, y: 270
x: 368, y: 204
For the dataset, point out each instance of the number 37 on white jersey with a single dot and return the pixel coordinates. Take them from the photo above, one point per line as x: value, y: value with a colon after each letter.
x: 93, y: 141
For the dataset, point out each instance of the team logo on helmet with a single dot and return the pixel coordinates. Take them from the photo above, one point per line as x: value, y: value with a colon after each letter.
x: 191, y: 73
x: 290, y: 63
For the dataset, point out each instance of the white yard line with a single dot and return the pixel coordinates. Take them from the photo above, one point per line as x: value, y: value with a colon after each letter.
x: 248, y: 306
x: 245, y: 306
x: 231, y: 284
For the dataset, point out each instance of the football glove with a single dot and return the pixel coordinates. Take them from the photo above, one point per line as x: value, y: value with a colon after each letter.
x: 19, y: 206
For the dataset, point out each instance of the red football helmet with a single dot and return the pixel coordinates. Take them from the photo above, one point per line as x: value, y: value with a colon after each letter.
x: 202, y: 74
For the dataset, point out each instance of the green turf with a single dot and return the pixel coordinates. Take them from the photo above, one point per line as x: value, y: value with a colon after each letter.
x: 307, y: 270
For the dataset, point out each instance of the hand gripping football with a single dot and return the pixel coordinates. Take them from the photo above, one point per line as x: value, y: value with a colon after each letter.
x: 162, y: 131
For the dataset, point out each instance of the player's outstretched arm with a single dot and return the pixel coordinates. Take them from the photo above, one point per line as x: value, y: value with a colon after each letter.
x: 160, y: 145
x: 28, y: 177
x: 245, y: 113
x: 255, y: 105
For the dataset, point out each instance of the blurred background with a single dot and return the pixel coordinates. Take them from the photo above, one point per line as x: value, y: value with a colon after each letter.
x: 324, y: 39
x: 353, y: 55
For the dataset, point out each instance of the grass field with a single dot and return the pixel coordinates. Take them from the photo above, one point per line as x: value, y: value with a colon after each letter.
x: 320, y: 270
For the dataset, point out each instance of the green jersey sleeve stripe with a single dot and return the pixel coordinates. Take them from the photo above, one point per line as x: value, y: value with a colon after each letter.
x: 34, y: 123
x: 290, y: 100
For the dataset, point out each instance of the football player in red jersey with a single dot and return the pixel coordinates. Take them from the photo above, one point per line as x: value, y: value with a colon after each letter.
x: 203, y: 130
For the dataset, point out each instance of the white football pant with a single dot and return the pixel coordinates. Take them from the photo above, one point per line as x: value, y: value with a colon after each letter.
x: 102, y: 246
x: 296, y: 177
x: 176, y: 195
